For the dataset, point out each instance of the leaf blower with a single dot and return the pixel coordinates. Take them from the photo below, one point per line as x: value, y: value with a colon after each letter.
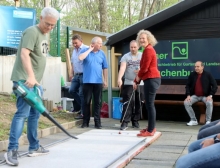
x: 35, y: 101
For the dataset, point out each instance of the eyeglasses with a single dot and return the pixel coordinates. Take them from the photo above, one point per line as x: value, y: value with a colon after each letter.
x: 48, y: 25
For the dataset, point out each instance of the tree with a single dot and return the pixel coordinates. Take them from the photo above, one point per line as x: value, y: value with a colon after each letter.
x: 7, y: 2
x: 152, y: 6
x: 103, y: 15
x: 163, y: 4
x: 99, y: 15
x: 143, y: 9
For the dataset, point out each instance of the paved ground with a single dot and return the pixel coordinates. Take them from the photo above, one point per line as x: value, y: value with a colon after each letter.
x: 163, y: 153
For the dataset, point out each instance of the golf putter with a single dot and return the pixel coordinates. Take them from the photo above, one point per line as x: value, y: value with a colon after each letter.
x: 127, y: 106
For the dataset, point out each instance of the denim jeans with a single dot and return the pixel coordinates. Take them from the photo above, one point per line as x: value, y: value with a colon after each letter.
x: 150, y: 88
x: 209, y: 129
x: 24, y: 112
x: 198, y: 157
x: 92, y: 90
x: 194, y: 99
x: 76, y: 90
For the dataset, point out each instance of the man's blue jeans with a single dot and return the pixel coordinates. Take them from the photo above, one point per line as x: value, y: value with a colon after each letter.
x: 76, y: 90
x: 200, y: 157
x: 209, y: 129
x: 24, y: 111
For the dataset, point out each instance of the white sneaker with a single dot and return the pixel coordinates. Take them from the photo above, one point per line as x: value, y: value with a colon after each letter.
x: 207, y: 122
x: 191, y: 123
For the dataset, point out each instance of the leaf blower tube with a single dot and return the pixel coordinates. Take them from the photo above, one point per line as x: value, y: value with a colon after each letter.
x: 35, y: 101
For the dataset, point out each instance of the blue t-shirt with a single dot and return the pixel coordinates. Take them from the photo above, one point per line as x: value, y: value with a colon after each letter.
x: 93, y: 66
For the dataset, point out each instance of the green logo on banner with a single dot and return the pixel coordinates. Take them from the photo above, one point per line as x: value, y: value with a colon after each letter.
x: 179, y: 50
x: 141, y: 49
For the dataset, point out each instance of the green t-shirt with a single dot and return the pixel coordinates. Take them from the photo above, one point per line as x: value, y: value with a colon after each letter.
x: 34, y: 40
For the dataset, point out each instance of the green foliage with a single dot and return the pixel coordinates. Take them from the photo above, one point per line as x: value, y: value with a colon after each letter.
x: 168, y: 3
x: 58, y: 104
x: 7, y: 3
x: 3, y: 132
x: 25, y: 128
x: 53, y: 42
x: 63, y: 56
x: 13, y: 97
x: 43, y: 125
x: 86, y: 17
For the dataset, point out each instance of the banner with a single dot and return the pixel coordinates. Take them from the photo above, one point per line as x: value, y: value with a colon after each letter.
x: 176, y: 58
x: 13, y: 22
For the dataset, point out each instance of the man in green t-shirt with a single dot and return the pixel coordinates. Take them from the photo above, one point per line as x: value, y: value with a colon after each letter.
x: 29, y: 66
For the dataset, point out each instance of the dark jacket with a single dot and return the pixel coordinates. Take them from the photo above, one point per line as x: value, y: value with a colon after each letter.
x: 209, y: 84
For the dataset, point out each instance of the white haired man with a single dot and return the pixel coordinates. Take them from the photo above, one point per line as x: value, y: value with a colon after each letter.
x: 94, y: 66
x: 29, y: 66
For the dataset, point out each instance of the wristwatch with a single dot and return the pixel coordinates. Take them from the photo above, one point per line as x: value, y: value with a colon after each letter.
x: 216, y: 140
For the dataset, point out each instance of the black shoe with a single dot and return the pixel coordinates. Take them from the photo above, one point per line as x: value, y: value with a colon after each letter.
x: 135, y: 124
x: 98, y: 125
x: 75, y: 111
x: 124, y: 126
x: 84, y: 125
x: 79, y: 117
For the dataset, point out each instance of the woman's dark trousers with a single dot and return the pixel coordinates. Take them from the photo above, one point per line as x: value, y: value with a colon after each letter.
x: 151, y: 86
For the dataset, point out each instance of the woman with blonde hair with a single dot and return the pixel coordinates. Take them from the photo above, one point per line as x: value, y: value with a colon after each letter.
x: 150, y: 74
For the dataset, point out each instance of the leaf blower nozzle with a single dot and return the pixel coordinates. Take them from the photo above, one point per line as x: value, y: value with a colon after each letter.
x: 46, y: 114
x: 34, y: 100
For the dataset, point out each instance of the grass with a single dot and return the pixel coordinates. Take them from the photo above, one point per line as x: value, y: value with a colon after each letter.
x: 8, y: 108
x: 3, y: 132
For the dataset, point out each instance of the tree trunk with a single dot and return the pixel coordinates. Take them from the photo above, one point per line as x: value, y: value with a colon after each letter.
x: 103, y: 15
x: 129, y: 10
x: 151, y: 10
x: 46, y: 3
x: 143, y: 9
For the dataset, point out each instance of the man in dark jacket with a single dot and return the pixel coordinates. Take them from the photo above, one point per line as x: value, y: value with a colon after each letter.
x: 201, y: 86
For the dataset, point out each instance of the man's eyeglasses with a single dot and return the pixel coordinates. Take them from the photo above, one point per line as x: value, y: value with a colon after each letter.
x: 48, y: 25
